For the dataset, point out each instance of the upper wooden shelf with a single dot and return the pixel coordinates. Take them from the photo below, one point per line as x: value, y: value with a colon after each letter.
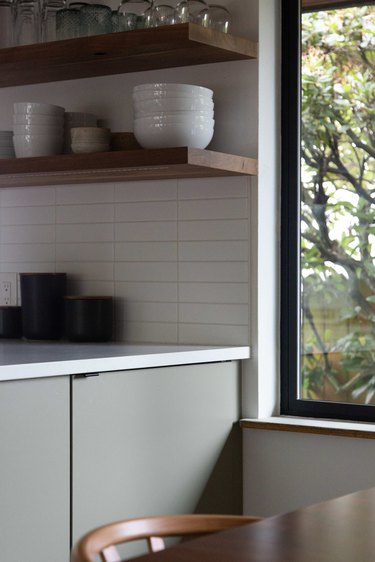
x: 128, y: 165
x: 116, y: 53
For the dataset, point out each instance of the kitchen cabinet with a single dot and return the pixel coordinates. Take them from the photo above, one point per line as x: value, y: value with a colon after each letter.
x: 35, y: 470
x: 134, y: 51
x: 79, y: 451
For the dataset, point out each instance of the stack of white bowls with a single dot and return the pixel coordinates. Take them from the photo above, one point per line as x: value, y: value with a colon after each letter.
x: 6, y: 145
x: 171, y: 115
x: 38, y: 129
x: 74, y: 119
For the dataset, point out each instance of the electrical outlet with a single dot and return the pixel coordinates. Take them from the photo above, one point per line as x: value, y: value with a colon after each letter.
x: 8, y: 289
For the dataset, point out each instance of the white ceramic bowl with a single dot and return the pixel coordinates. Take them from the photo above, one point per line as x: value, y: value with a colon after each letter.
x: 6, y: 142
x: 38, y: 129
x: 87, y: 147
x: 207, y: 114
x: 37, y: 145
x: 39, y: 108
x: 184, y: 119
x: 188, y: 89
x: 37, y: 119
x: 175, y: 104
x: 163, y: 94
x: 172, y: 135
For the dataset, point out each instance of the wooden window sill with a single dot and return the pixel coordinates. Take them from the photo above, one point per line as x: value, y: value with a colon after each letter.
x: 312, y: 426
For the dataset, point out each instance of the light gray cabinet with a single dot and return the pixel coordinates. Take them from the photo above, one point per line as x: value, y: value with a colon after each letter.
x: 34, y: 470
x: 155, y: 441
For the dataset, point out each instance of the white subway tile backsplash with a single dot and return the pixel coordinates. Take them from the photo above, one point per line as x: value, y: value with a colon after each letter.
x: 146, y: 292
x: 214, y: 334
x: 211, y: 272
x: 28, y: 234
x: 213, y: 251
x: 216, y: 209
x: 206, y: 188
x: 78, y: 214
x: 27, y: 266
x: 146, y: 191
x: 146, y: 251
x: 93, y: 252
x: 146, y: 332
x: 213, y: 230
x: 28, y: 197
x: 148, y: 211
x: 84, y: 232
x: 27, y: 252
x: 203, y: 313
x: 151, y: 312
x: 99, y: 271
x: 220, y: 293
x: 87, y: 287
x: 145, y: 231
x: 85, y: 194
x: 151, y: 271
x: 27, y: 215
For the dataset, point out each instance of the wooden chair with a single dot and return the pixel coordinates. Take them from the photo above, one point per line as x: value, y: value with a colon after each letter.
x: 102, y: 541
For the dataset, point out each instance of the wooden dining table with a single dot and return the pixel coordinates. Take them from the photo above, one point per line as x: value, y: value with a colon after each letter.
x: 338, y: 530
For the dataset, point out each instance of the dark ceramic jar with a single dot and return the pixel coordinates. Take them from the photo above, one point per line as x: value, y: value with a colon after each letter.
x: 88, y: 318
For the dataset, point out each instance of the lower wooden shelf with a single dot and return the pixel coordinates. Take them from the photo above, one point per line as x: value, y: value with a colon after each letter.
x: 126, y: 165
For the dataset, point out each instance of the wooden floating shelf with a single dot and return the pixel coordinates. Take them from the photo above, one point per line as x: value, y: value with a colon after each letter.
x: 128, y: 165
x: 116, y: 53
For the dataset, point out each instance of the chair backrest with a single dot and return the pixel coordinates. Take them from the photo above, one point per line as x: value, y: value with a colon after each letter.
x: 102, y: 541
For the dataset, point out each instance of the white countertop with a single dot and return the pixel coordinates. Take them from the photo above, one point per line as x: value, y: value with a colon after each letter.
x: 26, y: 360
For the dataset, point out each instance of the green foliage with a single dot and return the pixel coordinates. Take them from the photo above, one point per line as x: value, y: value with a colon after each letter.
x: 338, y: 201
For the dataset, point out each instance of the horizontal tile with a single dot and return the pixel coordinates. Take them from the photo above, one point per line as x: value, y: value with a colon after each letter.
x: 213, y: 230
x: 147, y: 292
x: 30, y: 234
x: 225, y: 293
x: 84, y: 252
x: 215, y: 209
x: 27, y: 215
x: 87, y: 287
x: 28, y: 196
x: 213, y: 251
x: 155, y: 211
x: 148, y: 271
x: 206, y: 334
x: 70, y: 214
x: 27, y: 253
x: 146, y: 251
x: 202, y: 313
x: 205, y: 188
x: 89, y: 194
x: 94, y: 271
x: 29, y: 267
x: 237, y: 272
x: 150, y: 311
x: 145, y: 231
x: 162, y: 190
x: 143, y: 332
x: 84, y: 232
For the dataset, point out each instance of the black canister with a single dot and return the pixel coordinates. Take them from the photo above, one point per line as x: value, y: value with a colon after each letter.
x: 42, y: 296
x: 88, y: 318
x: 10, y: 322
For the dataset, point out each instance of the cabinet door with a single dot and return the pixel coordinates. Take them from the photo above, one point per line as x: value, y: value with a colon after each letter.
x: 34, y: 470
x: 155, y: 441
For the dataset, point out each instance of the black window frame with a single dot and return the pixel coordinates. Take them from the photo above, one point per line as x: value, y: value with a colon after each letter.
x: 290, y: 309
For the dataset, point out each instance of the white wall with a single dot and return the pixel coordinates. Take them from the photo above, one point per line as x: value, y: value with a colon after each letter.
x: 174, y: 253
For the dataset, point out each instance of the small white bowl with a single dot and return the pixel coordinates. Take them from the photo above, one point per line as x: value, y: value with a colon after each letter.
x: 163, y: 94
x: 183, y: 119
x: 88, y: 147
x: 39, y: 108
x: 37, y: 145
x: 38, y: 129
x: 175, y: 104
x: 37, y: 119
x: 207, y: 114
x: 189, y: 89
x: 172, y: 135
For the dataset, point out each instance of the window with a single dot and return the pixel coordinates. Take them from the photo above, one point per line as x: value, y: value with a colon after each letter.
x: 328, y: 209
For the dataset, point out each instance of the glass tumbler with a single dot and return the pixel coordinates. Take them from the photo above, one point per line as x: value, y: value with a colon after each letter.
x: 191, y: 10
x: 163, y: 14
x: 95, y: 19
x: 218, y: 18
x: 6, y: 23
x: 135, y: 14
x: 68, y: 23
x: 48, y: 23
x: 27, y: 26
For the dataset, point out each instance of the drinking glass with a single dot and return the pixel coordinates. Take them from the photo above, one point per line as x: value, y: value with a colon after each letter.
x: 6, y: 23
x: 135, y: 14
x: 27, y: 24
x: 48, y: 16
x: 95, y: 19
x: 217, y: 17
x: 191, y: 10
x: 68, y: 23
x: 162, y: 13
